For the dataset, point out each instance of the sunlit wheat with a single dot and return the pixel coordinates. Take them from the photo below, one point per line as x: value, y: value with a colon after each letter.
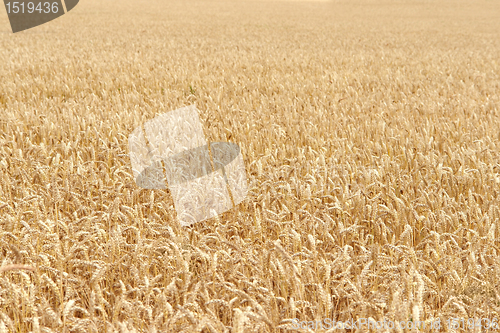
x: 370, y: 134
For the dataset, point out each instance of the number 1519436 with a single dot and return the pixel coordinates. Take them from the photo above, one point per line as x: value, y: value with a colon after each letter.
x: 31, y: 7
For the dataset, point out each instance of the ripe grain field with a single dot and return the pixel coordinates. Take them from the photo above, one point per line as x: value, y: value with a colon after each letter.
x: 370, y: 134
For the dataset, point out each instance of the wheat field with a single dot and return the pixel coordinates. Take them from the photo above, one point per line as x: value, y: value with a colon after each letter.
x: 370, y: 135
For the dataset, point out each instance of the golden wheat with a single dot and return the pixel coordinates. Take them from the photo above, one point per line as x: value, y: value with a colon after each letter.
x: 370, y: 136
